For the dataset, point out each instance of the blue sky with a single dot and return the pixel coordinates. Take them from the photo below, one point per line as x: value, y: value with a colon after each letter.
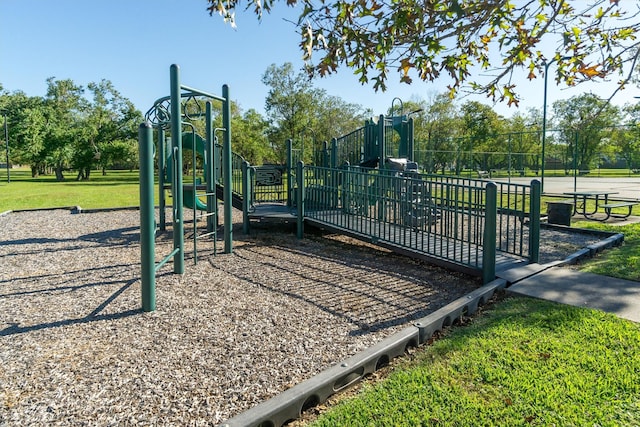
x: 133, y: 42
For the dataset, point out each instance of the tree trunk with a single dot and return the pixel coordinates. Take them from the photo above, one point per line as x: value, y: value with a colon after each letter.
x: 59, y: 175
x: 83, y: 174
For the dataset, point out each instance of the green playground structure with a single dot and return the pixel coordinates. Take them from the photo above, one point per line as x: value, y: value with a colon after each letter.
x: 169, y: 114
x: 365, y: 184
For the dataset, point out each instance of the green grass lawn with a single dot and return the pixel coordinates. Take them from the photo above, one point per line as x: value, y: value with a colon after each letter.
x: 523, y: 362
x: 622, y: 261
x: 115, y: 189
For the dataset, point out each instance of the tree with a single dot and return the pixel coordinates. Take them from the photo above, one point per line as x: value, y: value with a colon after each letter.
x: 485, y: 129
x: 303, y: 113
x: 64, y: 104
x: 289, y: 102
x: 28, y: 124
x: 64, y: 130
x: 332, y: 117
x: 250, y: 137
x: 438, y: 129
x: 118, y: 154
x: 585, y: 123
x: 524, y: 141
x: 110, y: 119
x: 627, y: 139
x: 463, y: 40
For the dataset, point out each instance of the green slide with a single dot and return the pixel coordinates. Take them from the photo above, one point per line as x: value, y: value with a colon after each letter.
x: 188, y: 192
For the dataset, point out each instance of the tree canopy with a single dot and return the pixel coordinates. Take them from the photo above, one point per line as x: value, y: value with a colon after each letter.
x: 305, y: 114
x: 476, y: 45
x: 66, y: 130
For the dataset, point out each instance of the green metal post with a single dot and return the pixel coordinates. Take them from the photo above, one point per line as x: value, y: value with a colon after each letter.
x: 246, y: 194
x: 216, y: 169
x: 381, y: 141
x: 227, y: 172
x: 335, y: 180
x: 208, y: 170
x: 410, y: 146
x: 147, y: 219
x: 290, y: 173
x: 325, y: 155
x: 162, y: 164
x: 489, y: 238
x: 575, y: 162
x: 6, y: 141
x: 402, y: 127
x: 534, y: 221
x: 334, y: 153
x: 176, y: 185
x: 300, y: 219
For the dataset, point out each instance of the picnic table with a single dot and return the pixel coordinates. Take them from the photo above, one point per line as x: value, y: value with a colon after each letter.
x: 601, y: 201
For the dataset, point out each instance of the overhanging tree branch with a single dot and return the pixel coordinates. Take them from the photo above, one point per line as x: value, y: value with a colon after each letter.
x: 457, y: 39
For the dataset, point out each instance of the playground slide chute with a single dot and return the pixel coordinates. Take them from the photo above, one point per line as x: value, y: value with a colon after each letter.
x: 188, y: 142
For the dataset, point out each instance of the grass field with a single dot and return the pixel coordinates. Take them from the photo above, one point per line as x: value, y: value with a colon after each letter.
x: 622, y: 261
x: 115, y: 189
x: 523, y: 362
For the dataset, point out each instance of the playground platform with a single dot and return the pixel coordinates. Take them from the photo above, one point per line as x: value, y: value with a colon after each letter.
x: 272, y: 212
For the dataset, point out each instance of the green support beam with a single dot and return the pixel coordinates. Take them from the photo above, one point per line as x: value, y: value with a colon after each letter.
x: 176, y: 184
x: 489, y: 237
x: 534, y: 221
x: 147, y: 218
x: 300, y: 200
x: 209, y: 158
x: 162, y: 164
x: 227, y: 172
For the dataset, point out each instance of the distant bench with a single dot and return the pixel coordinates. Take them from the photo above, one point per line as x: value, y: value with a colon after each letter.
x: 609, y: 206
x: 484, y: 175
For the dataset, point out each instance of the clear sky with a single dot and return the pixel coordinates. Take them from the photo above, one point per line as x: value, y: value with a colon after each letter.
x: 132, y: 43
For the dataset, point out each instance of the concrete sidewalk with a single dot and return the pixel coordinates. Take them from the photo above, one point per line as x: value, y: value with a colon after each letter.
x: 617, y: 296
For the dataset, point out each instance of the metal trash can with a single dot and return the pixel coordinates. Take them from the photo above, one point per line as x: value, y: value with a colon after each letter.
x: 559, y: 213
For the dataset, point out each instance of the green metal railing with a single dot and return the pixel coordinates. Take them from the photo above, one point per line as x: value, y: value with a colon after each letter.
x: 268, y: 184
x: 236, y: 170
x: 515, y: 205
x: 459, y: 220
x: 350, y: 147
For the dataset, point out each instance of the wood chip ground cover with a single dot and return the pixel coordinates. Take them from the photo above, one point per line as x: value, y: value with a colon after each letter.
x: 234, y: 330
